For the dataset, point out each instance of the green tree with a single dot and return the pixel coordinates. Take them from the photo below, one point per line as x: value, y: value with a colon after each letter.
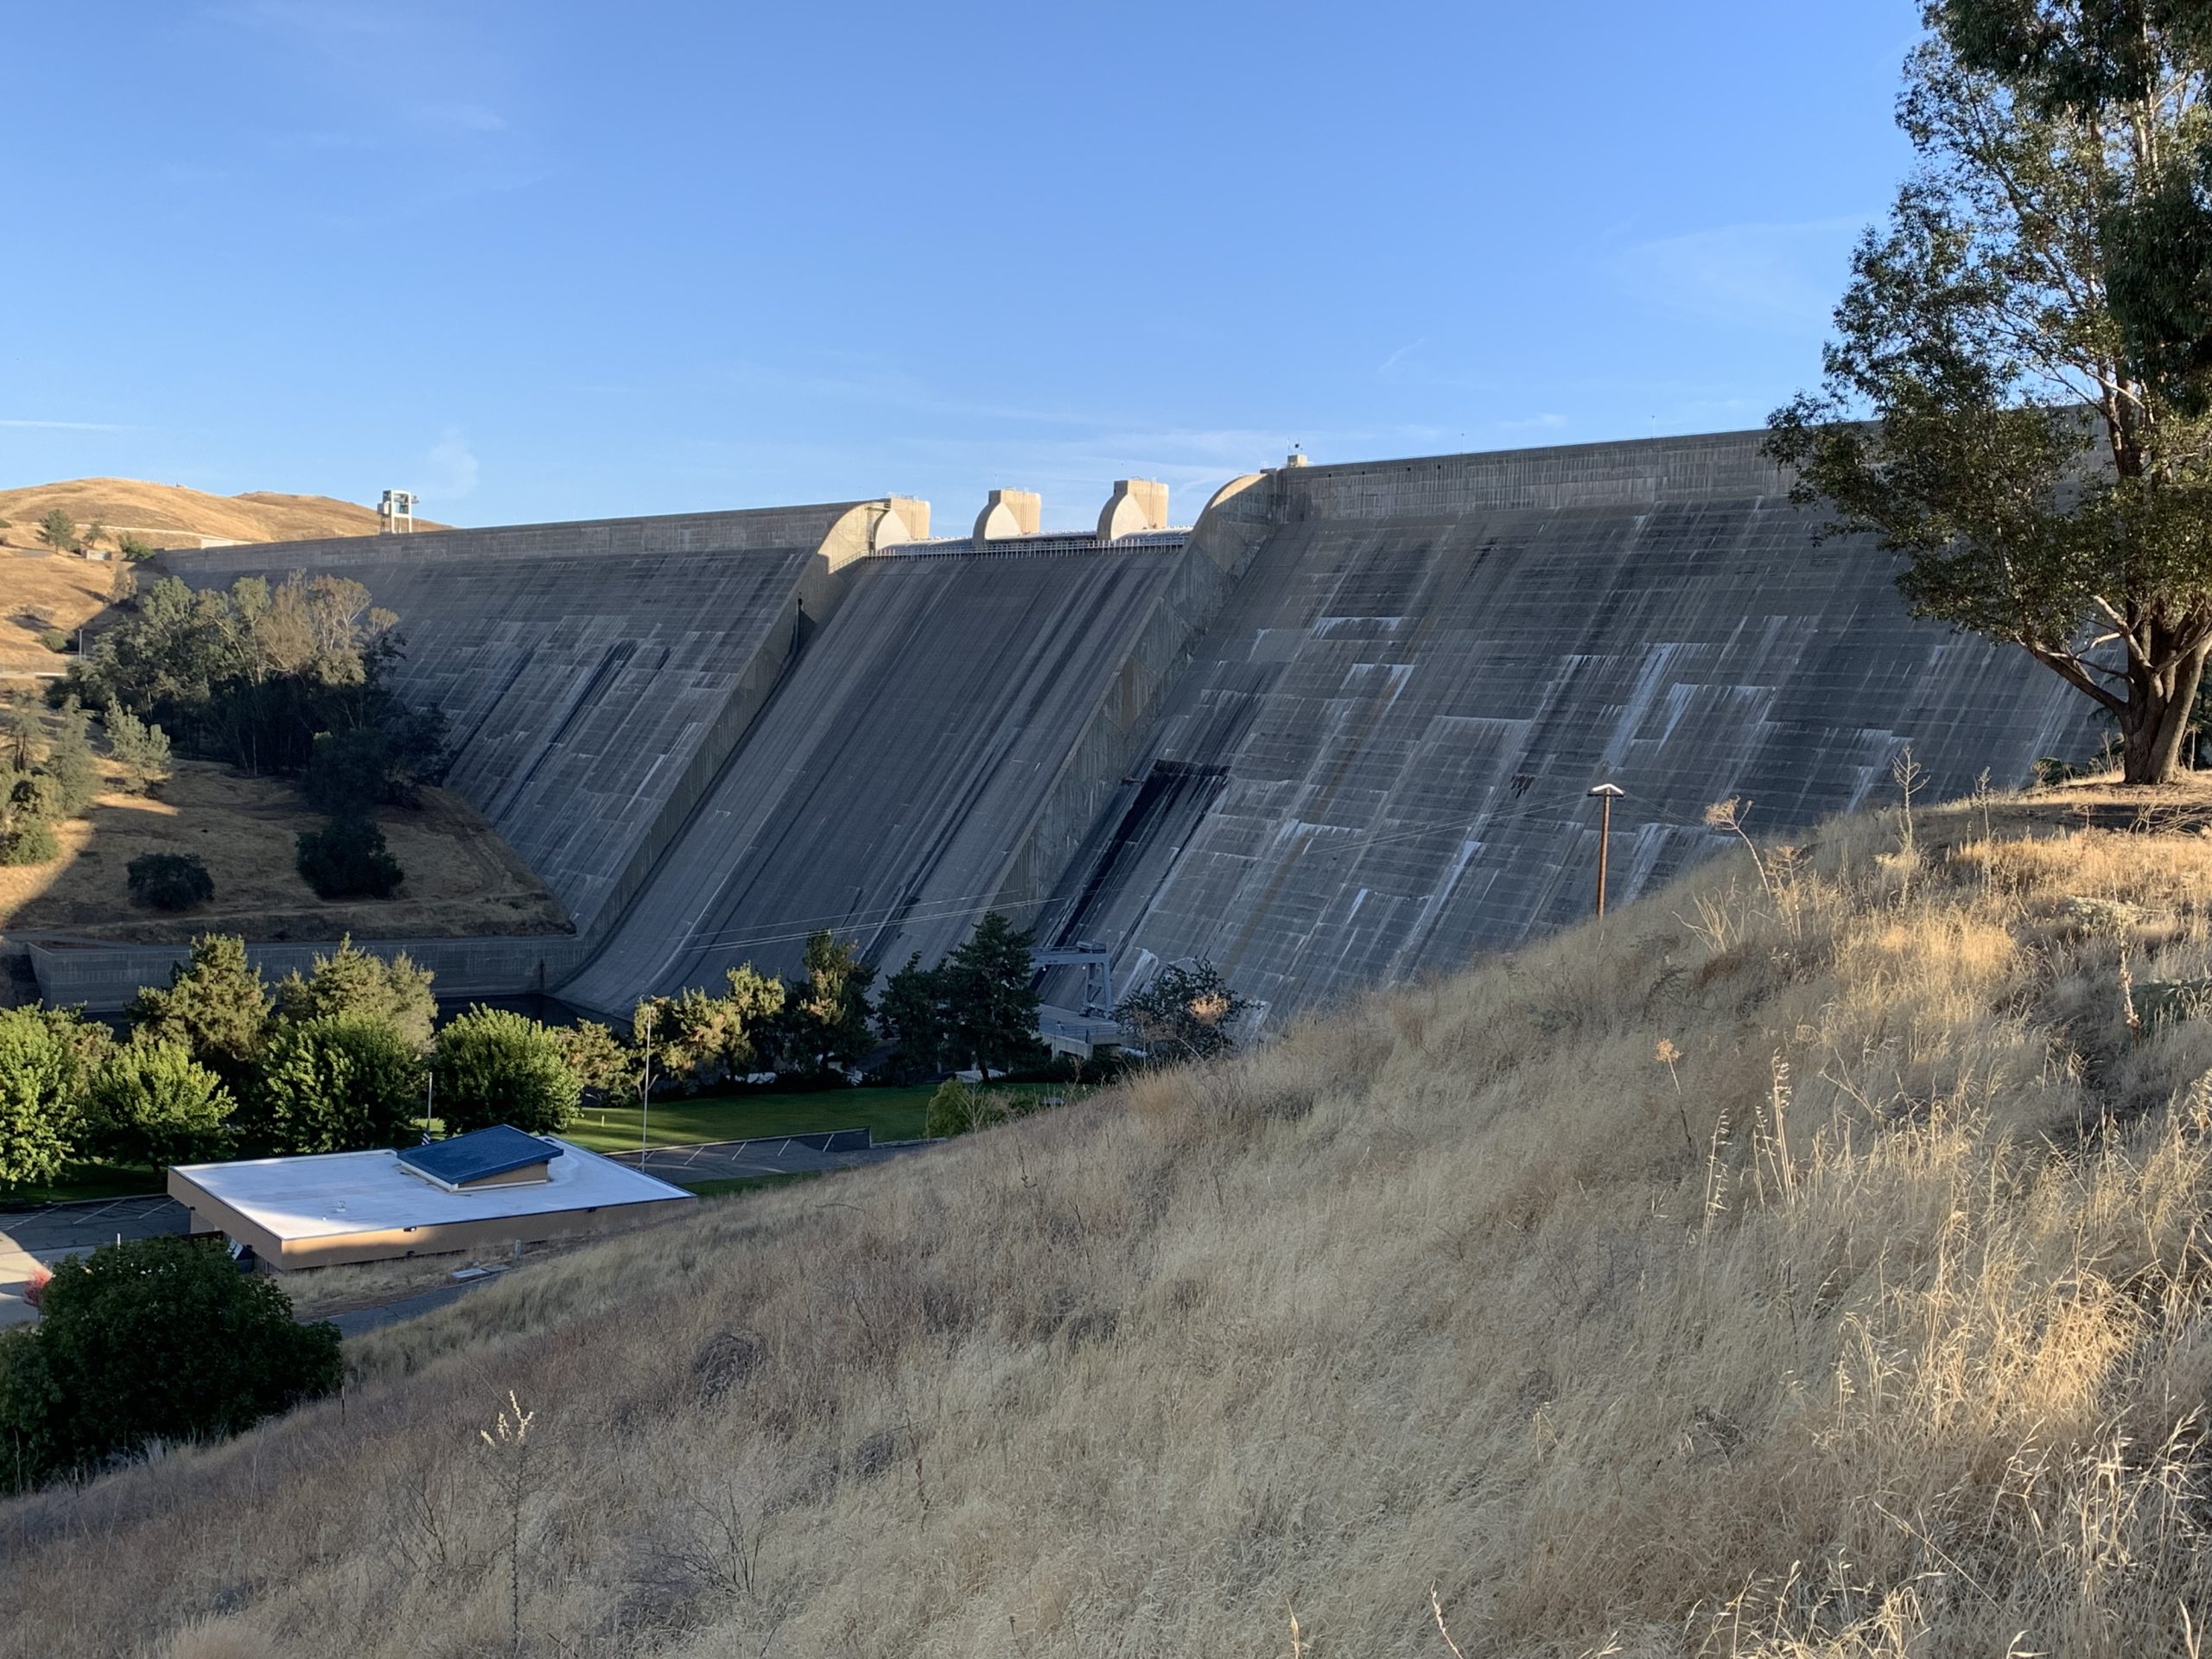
x: 152, y: 1103
x: 1186, y: 1013
x: 215, y: 1005
x: 496, y: 1066
x: 142, y: 750
x: 58, y: 531
x: 2018, y: 393
x: 991, y: 997
x: 602, y: 1063
x: 23, y: 735
x: 826, y: 1014
x: 347, y: 859
x: 913, y: 1017
x: 348, y: 772
x: 70, y: 762
x: 168, y: 882
x: 42, y: 1075
x: 751, y: 1001
x: 160, y: 1339
x: 337, y: 1082
x: 352, y: 981
x: 133, y: 548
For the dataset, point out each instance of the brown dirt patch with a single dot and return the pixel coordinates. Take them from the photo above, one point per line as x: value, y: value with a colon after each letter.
x: 461, y: 878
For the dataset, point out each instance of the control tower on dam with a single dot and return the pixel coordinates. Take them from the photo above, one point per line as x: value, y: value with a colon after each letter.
x: 1377, y: 762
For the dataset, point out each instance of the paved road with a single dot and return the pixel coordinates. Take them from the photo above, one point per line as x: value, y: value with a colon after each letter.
x: 29, y: 1238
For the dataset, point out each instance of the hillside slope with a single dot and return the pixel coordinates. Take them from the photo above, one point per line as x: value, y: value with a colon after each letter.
x: 1810, y: 1260
x: 149, y: 510
x: 39, y: 591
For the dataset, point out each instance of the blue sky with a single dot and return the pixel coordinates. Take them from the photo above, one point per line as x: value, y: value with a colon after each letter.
x: 554, y: 259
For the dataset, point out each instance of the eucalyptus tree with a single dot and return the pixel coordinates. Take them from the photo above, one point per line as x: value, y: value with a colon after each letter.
x: 2018, y: 394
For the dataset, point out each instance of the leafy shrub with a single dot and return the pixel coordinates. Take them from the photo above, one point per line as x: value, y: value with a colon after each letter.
x: 157, y: 1340
x: 152, y: 1103
x: 338, y: 1083
x: 42, y: 1070
x: 133, y: 549
x: 496, y: 1066
x: 32, y: 841
x: 54, y: 640
x: 954, y: 1110
x: 170, y: 880
x: 1187, y: 1013
x: 347, y: 859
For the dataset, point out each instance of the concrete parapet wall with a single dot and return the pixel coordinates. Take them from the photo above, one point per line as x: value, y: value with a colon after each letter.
x: 105, y: 977
x: 1641, y: 473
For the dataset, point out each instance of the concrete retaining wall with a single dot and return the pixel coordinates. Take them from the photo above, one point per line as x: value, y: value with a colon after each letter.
x: 105, y: 977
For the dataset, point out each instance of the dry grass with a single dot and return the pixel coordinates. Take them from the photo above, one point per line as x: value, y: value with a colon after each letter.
x: 65, y: 592
x: 461, y: 878
x: 1873, y: 1325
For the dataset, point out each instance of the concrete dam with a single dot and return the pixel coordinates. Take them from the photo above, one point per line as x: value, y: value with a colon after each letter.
x: 1338, y: 732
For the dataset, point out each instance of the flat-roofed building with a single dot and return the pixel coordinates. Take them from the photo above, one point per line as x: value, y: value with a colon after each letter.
x: 492, y: 1187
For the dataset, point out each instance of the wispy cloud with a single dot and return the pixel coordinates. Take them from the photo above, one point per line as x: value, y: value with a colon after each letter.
x: 31, y: 425
x: 1398, y: 356
x: 1782, y: 277
x: 452, y: 466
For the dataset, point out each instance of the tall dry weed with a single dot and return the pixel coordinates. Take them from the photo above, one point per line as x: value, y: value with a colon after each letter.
x: 1817, y: 1265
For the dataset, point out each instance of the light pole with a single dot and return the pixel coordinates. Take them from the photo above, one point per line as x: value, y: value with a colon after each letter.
x: 1608, y: 793
x: 645, y: 1091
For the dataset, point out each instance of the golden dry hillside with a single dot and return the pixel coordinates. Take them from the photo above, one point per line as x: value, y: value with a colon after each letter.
x: 1811, y: 1260
x: 188, y: 517
x: 62, y: 592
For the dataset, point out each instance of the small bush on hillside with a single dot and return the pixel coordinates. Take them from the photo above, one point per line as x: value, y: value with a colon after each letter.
x: 133, y: 549
x: 347, y: 859
x: 158, y: 1339
x: 54, y: 640
x: 953, y: 1109
x: 31, y: 841
x: 170, y: 880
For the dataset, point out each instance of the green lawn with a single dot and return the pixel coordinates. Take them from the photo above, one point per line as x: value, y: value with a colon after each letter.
x: 88, y: 1180
x: 892, y: 1114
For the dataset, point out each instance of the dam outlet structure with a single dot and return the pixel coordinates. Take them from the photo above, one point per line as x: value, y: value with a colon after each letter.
x: 1340, y: 731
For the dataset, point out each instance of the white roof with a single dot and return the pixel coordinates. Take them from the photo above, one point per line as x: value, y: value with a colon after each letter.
x: 326, y: 1195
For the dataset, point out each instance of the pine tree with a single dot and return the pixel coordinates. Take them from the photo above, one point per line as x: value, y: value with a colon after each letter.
x: 912, y: 1017
x: 990, y: 988
x: 214, y: 1005
x: 356, y: 982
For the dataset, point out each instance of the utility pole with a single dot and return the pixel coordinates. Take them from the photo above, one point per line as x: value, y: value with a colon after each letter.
x: 1608, y: 793
x: 646, y: 1091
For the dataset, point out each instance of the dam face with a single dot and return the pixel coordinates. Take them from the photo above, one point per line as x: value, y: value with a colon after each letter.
x: 1339, y: 733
